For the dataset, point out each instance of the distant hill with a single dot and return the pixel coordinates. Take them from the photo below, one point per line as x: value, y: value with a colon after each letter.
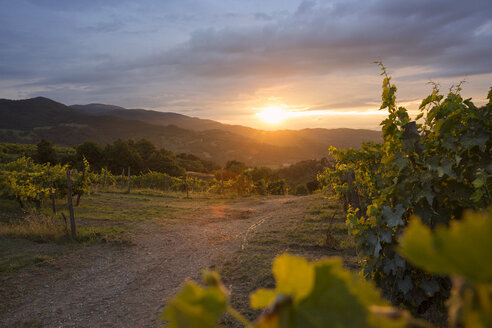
x: 30, y: 120
x: 97, y: 109
x: 154, y: 117
x: 317, y: 140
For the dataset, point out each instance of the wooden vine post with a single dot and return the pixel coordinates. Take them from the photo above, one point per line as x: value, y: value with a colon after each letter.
x: 128, y: 182
x: 104, y: 178
x: 52, y: 193
x: 79, y: 194
x: 70, y: 205
x: 222, y: 181
x: 53, y: 199
x: 186, y: 183
x: 352, y: 197
x: 122, y: 178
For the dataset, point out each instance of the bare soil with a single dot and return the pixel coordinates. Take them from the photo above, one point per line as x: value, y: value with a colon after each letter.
x: 108, y: 285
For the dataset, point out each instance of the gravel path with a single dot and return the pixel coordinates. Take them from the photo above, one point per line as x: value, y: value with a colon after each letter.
x: 108, y: 285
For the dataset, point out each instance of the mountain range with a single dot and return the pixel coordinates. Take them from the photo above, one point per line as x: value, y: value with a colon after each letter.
x: 29, y: 120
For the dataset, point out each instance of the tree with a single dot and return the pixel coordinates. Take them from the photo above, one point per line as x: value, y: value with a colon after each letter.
x: 301, y: 190
x: 190, y: 162
x: 276, y: 187
x: 210, y: 166
x: 45, y: 153
x: 193, y: 163
x: 92, y: 152
x: 145, y: 148
x: 120, y: 155
x: 262, y: 173
x: 163, y: 161
x: 235, y: 166
x: 303, y: 172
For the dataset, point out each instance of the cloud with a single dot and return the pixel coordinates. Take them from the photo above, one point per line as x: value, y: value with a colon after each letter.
x: 322, y: 38
x: 221, y: 59
x: 75, y: 6
x: 316, y: 39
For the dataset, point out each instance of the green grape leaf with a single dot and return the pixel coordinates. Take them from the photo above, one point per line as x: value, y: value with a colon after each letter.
x: 480, y: 181
x: 462, y: 250
x: 377, y: 248
x: 405, y: 284
x: 401, y: 162
x: 372, y: 210
x: 469, y: 140
x: 196, y: 306
x: 294, y: 276
x: 430, y: 287
x: 393, y: 219
x: 337, y: 298
x: 447, y: 168
x: 389, y: 266
x: 386, y: 235
x: 400, y: 262
x: 476, y: 196
x: 261, y: 298
x: 427, y: 194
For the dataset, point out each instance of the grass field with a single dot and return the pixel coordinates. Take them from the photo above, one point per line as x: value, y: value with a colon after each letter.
x: 28, y: 236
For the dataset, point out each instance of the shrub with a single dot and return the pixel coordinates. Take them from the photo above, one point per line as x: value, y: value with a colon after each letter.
x: 301, y: 190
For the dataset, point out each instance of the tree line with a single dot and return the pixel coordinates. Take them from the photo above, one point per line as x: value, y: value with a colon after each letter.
x: 140, y: 156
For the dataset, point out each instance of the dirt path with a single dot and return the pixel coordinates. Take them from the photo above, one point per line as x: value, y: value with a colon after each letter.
x: 127, y: 286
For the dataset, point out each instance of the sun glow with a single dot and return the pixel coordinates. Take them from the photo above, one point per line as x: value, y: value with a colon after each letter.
x: 276, y: 115
x: 272, y: 114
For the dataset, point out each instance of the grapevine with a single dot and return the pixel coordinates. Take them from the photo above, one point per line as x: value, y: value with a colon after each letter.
x: 436, y: 167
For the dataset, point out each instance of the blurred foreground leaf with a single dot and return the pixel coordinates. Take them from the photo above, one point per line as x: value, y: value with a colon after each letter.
x: 463, y: 251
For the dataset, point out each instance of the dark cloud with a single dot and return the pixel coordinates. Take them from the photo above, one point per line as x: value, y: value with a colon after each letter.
x: 106, y: 27
x: 75, y: 6
x: 319, y: 39
x: 263, y: 17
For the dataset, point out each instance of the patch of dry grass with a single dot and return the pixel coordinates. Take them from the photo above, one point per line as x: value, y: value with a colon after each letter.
x: 27, y: 235
x: 35, y: 227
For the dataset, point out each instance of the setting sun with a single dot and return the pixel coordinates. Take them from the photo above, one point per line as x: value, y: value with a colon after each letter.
x: 272, y: 114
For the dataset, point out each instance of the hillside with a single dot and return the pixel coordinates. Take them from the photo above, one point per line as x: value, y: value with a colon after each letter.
x: 31, y: 119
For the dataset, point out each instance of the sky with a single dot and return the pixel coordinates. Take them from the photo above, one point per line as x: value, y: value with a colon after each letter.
x: 268, y: 64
